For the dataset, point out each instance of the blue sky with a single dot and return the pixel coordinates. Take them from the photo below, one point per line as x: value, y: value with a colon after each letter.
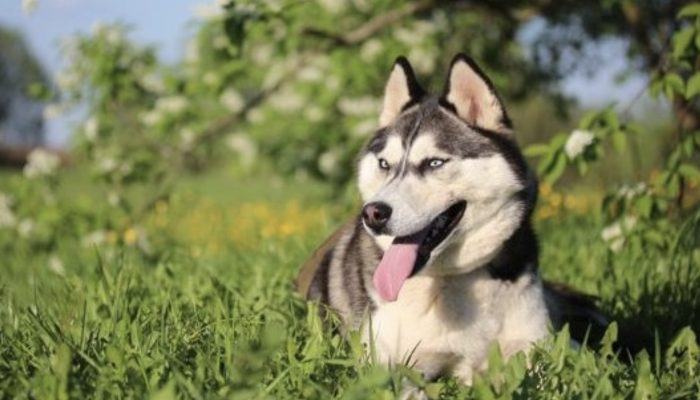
x: 167, y: 24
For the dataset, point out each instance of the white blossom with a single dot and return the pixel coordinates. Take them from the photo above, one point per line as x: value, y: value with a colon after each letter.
x: 577, y: 143
x: 153, y: 82
x: 107, y: 165
x: 262, y: 54
x: 255, y: 115
x: 210, y: 78
x: 358, y: 106
x: 172, y: 104
x: 243, y: 146
x: 188, y: 137
x: 371, y: 49
x: 41, y: 162
x: 151, y: 118
x: 56, y: 265
x: 328, y: 162
x: 310, y: 73
x: 28, y: 6
x: 209, y: 10
x: 192, y: 51
x: 113, y: 199
x: 52, y: 111
x: 287, y: 101
x: 7, y: 217
x: 220, y: 42
x: 423, y: 60
x: 91, y: 128
x: 68, y: 80
x: 333, y: 6
x: 313, y: 113
x: 629, y: 192
x: 25, y: 227
x: 615, y: 233
x: 365, y: 128
x: 232, y: 100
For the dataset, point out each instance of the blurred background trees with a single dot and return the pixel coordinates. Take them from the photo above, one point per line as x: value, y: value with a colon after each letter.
x: 294, y: 87
x: 21, y: 120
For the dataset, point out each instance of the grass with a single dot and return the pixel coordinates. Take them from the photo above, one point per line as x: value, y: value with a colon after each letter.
x: 200, y: 321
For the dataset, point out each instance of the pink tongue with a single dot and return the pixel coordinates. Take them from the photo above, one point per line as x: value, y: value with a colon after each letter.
x: 394, y: 269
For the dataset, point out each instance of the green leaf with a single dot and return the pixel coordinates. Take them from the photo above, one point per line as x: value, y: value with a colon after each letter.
x: 536, y: 150
x: 689, y: 171
x: 673, y: 83
x: 645, y: 387
x: 690, y: 10
x: 619, y: 141
x: 557, y: 168
x: 693, y: 86
x: 681, y: 41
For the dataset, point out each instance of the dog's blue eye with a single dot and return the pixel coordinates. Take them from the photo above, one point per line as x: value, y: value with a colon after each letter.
x: 383, y: 164
x: 436, y: 162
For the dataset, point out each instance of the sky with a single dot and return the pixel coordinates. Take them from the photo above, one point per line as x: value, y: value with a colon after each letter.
x: 168, y: 23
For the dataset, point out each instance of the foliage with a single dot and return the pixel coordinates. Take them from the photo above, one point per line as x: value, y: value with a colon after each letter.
x: 223, y: 322
x: 642, y: 209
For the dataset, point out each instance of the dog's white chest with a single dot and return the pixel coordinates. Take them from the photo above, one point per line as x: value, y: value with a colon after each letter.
x: 448, y: 324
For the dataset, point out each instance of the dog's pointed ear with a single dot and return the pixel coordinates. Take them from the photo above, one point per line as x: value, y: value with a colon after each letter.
x: 471, y: 95
x: 402, y: 90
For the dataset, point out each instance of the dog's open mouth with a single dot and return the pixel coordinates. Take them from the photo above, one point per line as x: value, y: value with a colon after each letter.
x: 408, y: 254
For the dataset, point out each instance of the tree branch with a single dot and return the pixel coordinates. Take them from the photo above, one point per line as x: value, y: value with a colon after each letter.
x: 374, y: 25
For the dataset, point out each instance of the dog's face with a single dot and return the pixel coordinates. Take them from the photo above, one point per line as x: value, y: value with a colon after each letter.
x: 442, y: 178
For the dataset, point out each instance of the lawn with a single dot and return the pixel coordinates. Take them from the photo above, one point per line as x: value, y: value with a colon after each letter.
x: 209, y: 311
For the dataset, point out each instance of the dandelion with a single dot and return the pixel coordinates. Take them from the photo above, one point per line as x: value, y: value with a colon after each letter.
x: 7, y: 217
x: 28, y: 6
x: 577, y: 143
x: 56, y: 265
x: 130, y: 236
x: 41, y: 162
x: 232, y: 100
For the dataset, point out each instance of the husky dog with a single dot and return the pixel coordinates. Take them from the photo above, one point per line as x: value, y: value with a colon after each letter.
x: 442, y: 260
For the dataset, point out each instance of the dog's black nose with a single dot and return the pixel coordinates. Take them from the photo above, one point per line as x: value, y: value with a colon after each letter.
x: 376, y: 215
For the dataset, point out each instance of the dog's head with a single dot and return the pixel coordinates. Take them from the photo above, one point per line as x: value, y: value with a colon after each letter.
x: 443, y: 181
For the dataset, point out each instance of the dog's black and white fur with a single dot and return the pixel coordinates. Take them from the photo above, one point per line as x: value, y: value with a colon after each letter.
x: 449, y: 164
